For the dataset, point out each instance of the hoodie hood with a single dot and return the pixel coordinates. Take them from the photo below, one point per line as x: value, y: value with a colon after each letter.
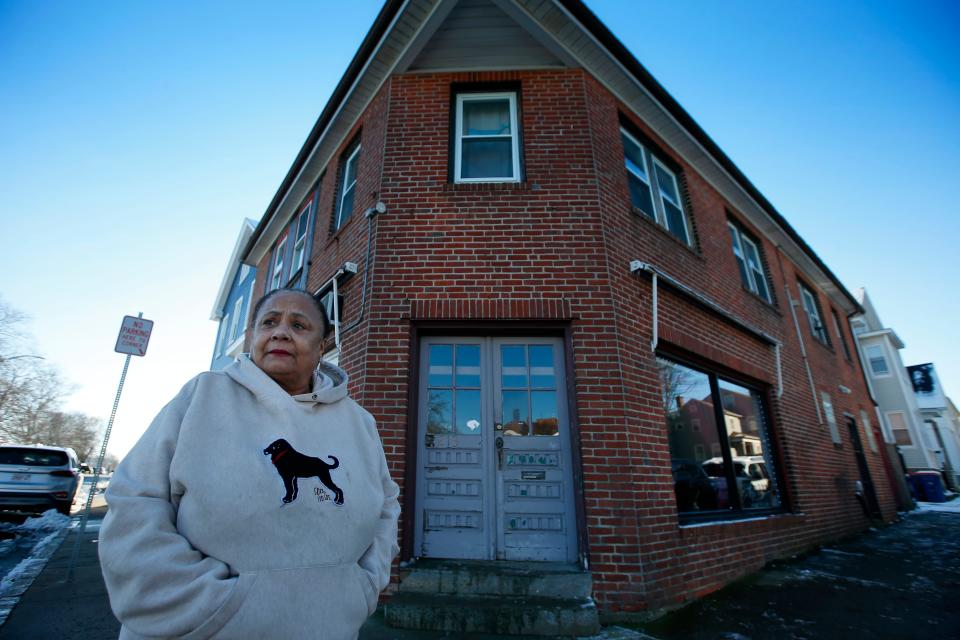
x: 329, y: 382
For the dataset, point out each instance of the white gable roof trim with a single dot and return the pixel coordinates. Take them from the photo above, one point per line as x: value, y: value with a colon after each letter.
x: 243, y: 238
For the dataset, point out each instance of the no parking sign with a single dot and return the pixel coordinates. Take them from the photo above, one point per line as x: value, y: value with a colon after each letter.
x: 134, y: 336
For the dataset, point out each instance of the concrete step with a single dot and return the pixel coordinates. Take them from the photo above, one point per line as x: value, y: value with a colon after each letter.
x: 470, y: 577
x: 506, y: 615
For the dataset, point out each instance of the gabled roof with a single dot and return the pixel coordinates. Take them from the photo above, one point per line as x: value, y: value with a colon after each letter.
x: 243, y: 238
x: 569, y: 34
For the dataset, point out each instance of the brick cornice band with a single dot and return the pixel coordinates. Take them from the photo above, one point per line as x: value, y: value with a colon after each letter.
x: 495, y: 309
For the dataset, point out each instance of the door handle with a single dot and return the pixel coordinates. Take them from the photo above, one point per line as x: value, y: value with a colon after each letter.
x: 499, y: 443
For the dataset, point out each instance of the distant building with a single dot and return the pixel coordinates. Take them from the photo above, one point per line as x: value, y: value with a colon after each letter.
x: 897, y: 404
x: 938, y: 427
x: 233, y: 303
x: 589, y: 342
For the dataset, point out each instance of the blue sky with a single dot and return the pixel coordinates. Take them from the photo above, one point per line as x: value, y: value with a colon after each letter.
x: 135, y: 136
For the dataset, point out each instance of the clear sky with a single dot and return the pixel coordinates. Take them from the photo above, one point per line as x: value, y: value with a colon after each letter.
x: 135, y: 137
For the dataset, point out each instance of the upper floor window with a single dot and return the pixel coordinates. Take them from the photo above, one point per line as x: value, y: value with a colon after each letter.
x: 748, y: 261
x: 276, y: 278
x: 486, y: 138
x: 839, y: 331
x: 878, y: 362
x: 224, y: 338
x: 347, y: 188
x: 898, y: 427
x: 654, y: 188
x: 867, y: 429
x: 300, y: 240
x: 237, y: 328
x: 812, y: 309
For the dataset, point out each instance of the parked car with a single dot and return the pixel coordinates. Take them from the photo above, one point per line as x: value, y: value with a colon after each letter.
x: 692, y: 487
x: 38, y: 477
x: 753, y: 480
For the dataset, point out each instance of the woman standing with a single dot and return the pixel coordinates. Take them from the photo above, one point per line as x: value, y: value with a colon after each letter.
x: 258, y: 504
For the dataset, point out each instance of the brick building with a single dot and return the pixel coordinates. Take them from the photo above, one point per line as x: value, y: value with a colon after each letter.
x: 587, y: 339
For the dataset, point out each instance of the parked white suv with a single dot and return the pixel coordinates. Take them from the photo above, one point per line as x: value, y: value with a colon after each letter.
x: 38, y: 477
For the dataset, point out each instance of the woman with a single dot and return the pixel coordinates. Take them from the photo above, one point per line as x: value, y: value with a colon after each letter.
x: 258, y: 504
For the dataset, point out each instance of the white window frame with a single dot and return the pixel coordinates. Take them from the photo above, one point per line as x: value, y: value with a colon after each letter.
x: 300, y: 241
x: 276, y: 276
x: 840, y: 337
x: 882, y: 356
x: 810, y: 307
x: 753, y: 271
x: 657, y: 195
x: 905, y: 429
x: 868, y: 430
x: 831, y: 415
x: 345, y: 188
x: 237, y: 307
x: 459, y: 136
x: 223, y: 340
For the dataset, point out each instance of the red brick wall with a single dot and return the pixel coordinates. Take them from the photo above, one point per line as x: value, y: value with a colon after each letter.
x: 558, y: 246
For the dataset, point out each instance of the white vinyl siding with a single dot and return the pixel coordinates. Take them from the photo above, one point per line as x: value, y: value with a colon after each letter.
x: 486, y: 138
x: 654, y: 188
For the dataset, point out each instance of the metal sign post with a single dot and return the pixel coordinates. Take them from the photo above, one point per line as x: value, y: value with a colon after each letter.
x: 133, y: 339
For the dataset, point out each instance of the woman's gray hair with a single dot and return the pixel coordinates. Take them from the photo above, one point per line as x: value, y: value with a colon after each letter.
x: 316, y: 301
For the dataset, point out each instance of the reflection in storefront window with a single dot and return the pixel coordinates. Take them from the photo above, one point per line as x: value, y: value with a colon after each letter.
x: 705, y: 479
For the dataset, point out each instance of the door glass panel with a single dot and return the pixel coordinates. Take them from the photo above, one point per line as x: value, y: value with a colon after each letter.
x: 542, y: 372
x: 468, y: 365
x: 513, y: 360
x: 515, y: 413
x: 546, y: 421
x: 468, y: 411
x: 441, y: 365
x: 440, y: 411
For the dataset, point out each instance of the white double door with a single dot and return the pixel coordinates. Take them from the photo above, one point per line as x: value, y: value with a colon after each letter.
x: 494, y: 464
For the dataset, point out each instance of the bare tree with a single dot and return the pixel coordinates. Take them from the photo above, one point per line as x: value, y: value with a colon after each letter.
x: 31, y: 392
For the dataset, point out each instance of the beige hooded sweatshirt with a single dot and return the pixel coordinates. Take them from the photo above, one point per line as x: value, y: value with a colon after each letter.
x: 244, y: 512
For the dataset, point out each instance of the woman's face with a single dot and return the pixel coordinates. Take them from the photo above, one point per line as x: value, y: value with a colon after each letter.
x: 288, y: 340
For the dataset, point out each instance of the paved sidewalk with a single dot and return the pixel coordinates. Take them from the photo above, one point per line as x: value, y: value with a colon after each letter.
x: 902, y: 581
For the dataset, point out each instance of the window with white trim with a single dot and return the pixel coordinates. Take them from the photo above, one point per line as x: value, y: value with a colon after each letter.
x: 300, y: 241
x: 812, y: 309
x: 878, y: 361
x: 486, y: 143
x: 276, y: 278
x: 830, y: 415
x: 841, y: 338
x: 224, y: 338
x: 867, y: 429
x: 237, y: 327
x: 348, y: 187
x: 654, y: 188
x: 898, y: 426
x: 747, y: 253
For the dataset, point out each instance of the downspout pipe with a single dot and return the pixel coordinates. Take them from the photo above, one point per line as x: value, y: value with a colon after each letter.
x: 658, y: 274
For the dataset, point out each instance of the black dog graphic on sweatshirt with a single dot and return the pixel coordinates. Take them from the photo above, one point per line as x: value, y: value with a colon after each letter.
x: 291, y: 464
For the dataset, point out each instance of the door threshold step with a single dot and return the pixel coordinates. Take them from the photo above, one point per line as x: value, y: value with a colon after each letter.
x: 497, y: 614
x: 498, y: 578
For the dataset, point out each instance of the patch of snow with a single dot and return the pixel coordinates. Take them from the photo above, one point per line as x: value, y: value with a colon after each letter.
x: 50, y: 521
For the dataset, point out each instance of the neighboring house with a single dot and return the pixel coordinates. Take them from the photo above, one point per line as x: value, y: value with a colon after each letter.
x: 569, y: 304
x: 896, y: 403
x: 938, y: 427
x: 232, y: 306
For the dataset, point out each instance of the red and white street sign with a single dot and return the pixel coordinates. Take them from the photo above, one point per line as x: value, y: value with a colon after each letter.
x: 134, y: 336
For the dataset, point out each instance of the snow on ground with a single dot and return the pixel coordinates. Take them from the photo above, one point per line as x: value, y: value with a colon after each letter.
x: 952, y: 506
x: 34, y: 541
